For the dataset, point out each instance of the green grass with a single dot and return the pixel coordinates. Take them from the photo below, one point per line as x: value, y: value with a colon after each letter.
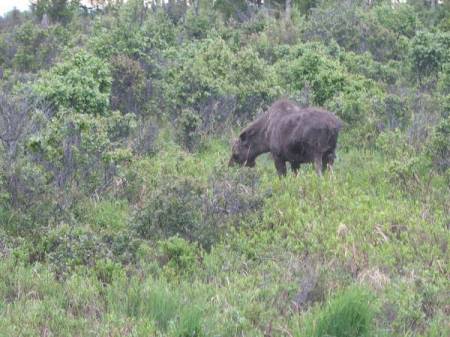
x: 348, y: 314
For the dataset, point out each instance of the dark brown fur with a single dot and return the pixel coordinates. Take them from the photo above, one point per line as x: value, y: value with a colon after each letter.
x: 291, y: 134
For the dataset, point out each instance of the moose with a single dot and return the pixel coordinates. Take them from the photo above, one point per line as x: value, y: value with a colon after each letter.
x: 291, y: 134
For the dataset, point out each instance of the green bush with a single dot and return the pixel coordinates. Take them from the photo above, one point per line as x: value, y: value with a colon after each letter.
x: 428, y: 53
x: 196, y: 211
x: 308, y: 66
x: 359, y: 30
x: 179, y: 254
x: 82, y: 83
x: 188, y: 129
x: 34, y: 47
x: 128, y: 88
x: 402, y: 20
x: 174, y: 208
x: 438, y: 148
x: 66, y: 249
x: 211, y: 78
x: 81, y: 149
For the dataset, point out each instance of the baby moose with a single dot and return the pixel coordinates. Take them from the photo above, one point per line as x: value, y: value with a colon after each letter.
x: 291, y: 134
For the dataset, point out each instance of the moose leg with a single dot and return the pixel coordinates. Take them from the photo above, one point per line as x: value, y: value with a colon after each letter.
x: 280, y: 165
x: 327, y: 161
x: 295, y: 166
x: 318, y: 163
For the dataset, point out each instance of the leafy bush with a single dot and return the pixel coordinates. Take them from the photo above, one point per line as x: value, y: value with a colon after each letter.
x: 439, y: 145
x: 77, y: 148
x: 33, y: 47
x: 82, y: 83
x: 188, y: 129
x: 174, y: 208
x: 128, y: 89
x: 61, y: 11
x: 356, y: 29
x: 402, y: 20
x: 179, y: 254
x: 67, y: 249
x: 405, y: 166
x: 307, y: 66
x: 209, y: 77
x: 428, y: 53
x: 199, y: 213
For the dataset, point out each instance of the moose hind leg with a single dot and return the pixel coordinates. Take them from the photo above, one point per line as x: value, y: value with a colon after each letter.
x: 328, y: 160
x: 295, y: 166
x: 280, y: 165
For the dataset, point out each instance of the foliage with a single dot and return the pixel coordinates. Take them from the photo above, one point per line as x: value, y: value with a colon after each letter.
x: 219, y: 83
x: 428, y: 53
x: 188, y: 126
x: 325, y: 77
x: 358, y: 30
x: 76, y: 148
x: 57, y: 10
x: 402, y: 20
x: 81, y: 83
x: 128, y: 87
x: 32, y: 48
x: 184, y: 207
x: 180, y: 254
x: 439, y: 145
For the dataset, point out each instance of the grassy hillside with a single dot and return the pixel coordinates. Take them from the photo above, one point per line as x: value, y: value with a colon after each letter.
x: 119, y: 215
x: 290, y: 257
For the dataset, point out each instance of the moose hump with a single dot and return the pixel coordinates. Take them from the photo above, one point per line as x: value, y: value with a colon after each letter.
x: 291, y: 134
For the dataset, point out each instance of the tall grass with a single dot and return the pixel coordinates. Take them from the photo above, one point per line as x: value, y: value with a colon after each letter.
x: 349, y: 314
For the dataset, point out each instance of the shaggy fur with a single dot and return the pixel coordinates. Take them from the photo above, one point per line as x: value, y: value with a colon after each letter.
x: 291, y: 134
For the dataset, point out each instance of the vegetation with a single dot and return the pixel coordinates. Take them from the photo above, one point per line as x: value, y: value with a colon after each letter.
x: 120, y: 217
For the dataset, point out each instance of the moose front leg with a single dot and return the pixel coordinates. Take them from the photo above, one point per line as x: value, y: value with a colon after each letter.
x: 295, y: 166
x: 318, y: 164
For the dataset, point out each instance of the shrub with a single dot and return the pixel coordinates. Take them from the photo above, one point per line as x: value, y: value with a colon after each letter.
x: 128, y: 89
x: 82, y: 83
x: 428, y: 53
x: 179, y: 254
x: 211, y: 78
x: 198, y: 212
x: 188, y: 129
x: 396, y: 111
x: 438, y: 148
x: 32, y: 47
x: 174, y: 208
x: 307, y: 66
x: 66, y: 249
x: 82, y: 150
x: 402, y: 20
x: 356, y: 30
